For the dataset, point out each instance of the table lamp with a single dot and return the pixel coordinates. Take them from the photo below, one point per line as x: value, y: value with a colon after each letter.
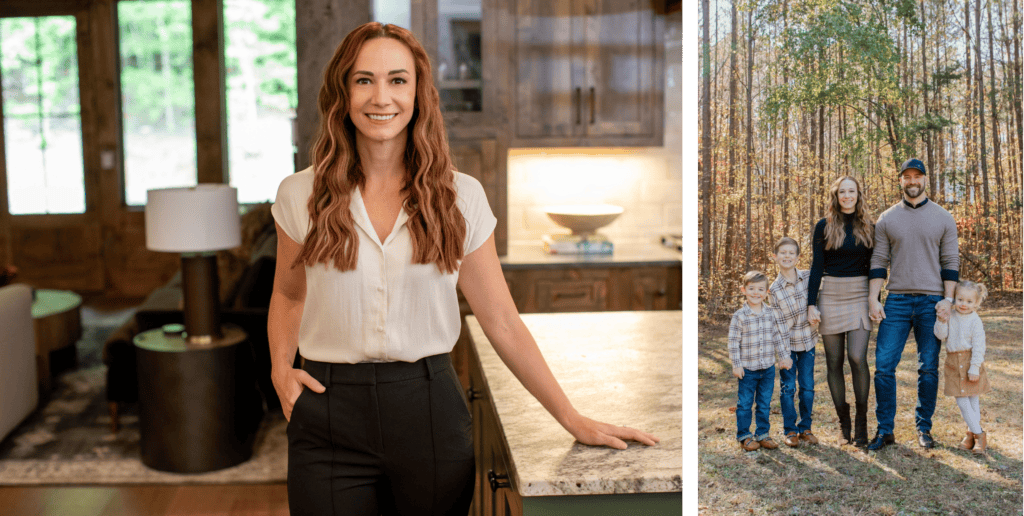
x: 195, y: 221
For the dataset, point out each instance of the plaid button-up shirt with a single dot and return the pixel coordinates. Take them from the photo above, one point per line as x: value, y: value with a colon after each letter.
x: 756, y: 339
x: 791, y: 300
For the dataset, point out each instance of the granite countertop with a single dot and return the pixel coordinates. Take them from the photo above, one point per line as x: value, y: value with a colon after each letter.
x: 627, y: 254
x: 623, y: 368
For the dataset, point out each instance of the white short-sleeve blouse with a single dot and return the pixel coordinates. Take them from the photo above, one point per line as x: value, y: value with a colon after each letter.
x: 388, y: 309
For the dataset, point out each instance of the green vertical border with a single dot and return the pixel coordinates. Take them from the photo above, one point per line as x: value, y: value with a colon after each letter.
x: 689, y: 119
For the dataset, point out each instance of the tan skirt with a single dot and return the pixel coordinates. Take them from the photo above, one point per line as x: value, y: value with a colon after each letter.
x: 955, y: 371
x: 843, y: 303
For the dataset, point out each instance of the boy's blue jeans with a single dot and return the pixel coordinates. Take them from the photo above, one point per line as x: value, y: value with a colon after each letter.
x: 802, y: 372
x: 903, y: 312
x: 755, y: 386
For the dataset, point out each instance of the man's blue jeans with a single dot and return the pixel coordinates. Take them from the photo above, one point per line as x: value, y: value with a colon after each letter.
x: 802, y: 372
x: 755, y: 386
x: 903, y: 312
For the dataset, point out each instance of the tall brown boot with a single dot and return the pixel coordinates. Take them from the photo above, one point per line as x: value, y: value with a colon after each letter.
x: 980, y: 443
x: 843, y: 411
x: 860, y: 425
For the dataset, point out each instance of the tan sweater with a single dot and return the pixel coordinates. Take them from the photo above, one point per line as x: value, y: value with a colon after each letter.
x: 919, y: 248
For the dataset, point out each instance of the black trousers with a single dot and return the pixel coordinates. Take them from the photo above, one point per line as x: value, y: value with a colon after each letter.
x: 391, y: 438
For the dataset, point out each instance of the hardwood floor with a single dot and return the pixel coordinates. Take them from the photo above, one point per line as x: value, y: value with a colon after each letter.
x: 228, y: 500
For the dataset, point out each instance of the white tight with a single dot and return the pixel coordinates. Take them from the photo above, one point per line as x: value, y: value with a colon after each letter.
x: 970, y: 409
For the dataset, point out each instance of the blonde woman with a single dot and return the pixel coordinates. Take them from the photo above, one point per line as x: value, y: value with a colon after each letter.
x: 837, y: 298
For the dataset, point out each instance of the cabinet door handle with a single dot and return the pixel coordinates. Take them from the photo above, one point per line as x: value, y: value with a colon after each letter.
x: 592, y: 105
x: 498, y: 481
x: 579, y: 107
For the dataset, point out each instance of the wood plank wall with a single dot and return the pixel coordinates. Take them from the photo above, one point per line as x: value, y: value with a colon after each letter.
x: 103, y: 250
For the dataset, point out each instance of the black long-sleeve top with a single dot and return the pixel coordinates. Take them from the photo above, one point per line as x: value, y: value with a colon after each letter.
x: 850, y: 260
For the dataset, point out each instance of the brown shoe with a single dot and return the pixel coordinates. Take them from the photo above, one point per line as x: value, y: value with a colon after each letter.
x: 968, y: 442
x: 792, y: 440
x: 980, y: 443
x: 809, y: 437
x: 767, y: 443
x: 749, y: 444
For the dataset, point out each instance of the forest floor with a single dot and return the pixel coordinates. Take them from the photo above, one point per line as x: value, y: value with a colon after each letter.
x: 834, y: 478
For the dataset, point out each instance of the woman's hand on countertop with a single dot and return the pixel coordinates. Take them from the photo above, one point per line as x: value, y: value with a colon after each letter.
x: 596, y: 433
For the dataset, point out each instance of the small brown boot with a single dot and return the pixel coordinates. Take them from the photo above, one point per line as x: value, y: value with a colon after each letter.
x: 767, y: 443
x: 749, y: 444
x: 968, y: 442
x: 980, y: 443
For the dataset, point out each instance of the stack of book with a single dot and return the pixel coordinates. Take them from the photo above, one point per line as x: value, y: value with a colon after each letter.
x: 576, y: 244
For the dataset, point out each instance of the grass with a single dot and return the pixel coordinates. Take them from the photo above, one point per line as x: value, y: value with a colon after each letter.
x: 831, y: 478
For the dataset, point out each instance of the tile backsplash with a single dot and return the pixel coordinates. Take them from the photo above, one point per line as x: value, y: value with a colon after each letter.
x: 646, y: 181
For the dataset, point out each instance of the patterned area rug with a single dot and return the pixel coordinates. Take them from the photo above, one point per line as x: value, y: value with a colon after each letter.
x: 68, y: 441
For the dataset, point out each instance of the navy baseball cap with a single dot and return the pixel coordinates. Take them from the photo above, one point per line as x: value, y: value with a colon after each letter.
x: 913, y: 163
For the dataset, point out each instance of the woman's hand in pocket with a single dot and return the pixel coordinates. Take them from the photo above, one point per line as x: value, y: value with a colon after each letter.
x: 288, y: 385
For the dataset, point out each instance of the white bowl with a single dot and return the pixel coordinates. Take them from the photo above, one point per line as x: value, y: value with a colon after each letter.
x: 583, y: 219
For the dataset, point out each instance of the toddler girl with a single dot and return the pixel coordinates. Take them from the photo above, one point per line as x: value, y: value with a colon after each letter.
x: 964, y: 336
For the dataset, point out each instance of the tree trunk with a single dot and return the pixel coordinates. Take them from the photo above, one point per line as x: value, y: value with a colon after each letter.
x: 750, y: 127
x: 705, y: 190
x: 983, y: 150
x: 785, y: 135
x: 997, y: 159
x: 969, y: 155
x: 731, y: 216
x: 930, y: 164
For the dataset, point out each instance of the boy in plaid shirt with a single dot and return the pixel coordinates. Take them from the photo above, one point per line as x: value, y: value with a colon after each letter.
x: 788, y: 295
x: 757, y: 335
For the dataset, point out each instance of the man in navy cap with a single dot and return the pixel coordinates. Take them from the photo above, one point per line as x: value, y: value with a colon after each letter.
x: 916, y: 241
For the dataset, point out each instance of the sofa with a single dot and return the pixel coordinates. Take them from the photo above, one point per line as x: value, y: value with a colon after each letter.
x: 19, y: 388
x: 245, y: 301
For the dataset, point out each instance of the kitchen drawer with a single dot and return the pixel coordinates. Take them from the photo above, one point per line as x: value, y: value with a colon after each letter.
x: 559, y: 290
x: 572, y: 295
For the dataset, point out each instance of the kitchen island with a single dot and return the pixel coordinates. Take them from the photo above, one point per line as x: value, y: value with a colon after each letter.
x: 618, y: 367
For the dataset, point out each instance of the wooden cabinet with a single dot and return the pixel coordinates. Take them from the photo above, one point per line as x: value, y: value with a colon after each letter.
x: 486, y: 160
x: 494, y: 492
x: 596, y: 289
x: 587, y: 73
x: 460, y: 38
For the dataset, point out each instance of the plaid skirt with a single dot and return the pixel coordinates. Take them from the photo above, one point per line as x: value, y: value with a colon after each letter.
x: 843, y: 303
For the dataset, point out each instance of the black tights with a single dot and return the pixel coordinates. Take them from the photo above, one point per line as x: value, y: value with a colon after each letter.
x: 856, y: 342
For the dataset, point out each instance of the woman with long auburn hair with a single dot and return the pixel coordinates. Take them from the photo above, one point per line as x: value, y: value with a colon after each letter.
x: 373, y: 240
x: 837, y: 298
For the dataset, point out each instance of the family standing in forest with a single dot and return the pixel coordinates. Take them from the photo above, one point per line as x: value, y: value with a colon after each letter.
x: 912, y: 248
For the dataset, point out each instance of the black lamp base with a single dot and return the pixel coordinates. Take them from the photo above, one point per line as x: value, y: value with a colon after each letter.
x: 201, y: 290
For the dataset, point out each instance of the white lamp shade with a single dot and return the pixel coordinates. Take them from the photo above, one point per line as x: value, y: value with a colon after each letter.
x: 192, y: 219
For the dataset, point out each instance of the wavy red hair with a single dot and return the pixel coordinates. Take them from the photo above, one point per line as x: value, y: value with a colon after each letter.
x: 435, y: 223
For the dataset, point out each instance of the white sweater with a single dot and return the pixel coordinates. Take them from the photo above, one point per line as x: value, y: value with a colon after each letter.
x: 962, y: 333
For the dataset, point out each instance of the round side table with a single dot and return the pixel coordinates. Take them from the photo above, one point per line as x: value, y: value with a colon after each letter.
x: 58, y: 324
x: 188, y: 402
